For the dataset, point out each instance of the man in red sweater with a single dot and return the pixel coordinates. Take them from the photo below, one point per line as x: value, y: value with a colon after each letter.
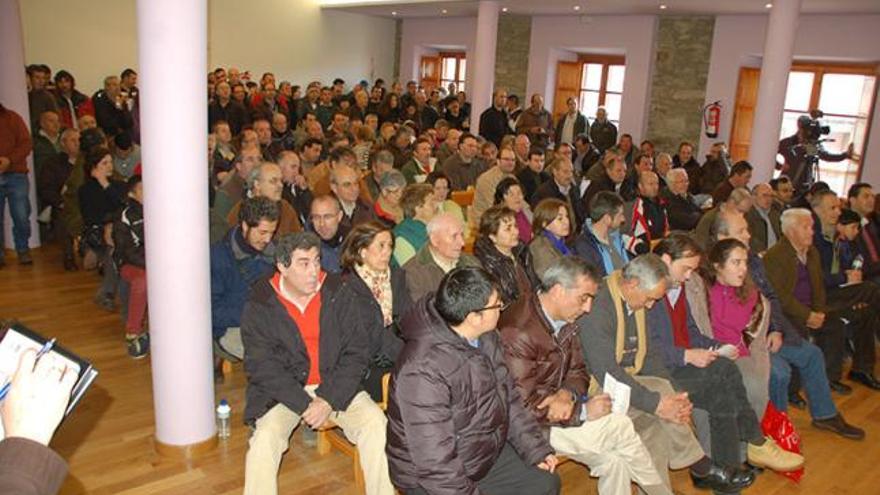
x: 15, y: 146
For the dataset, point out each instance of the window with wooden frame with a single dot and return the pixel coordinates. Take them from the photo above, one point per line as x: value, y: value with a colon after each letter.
x: 595, y: 81
x: 452, y: 69
x: 845, y: 93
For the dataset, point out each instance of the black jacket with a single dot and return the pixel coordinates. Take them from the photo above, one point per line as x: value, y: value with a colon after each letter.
x: 452, y: 407
x: 694, y: 171
x: 583, y: 163
x: 580, y: 127
x: 128, y: 236
x: 384, y: 342
x: 603, y: 135
x: 233, y: 113
x: 513, y: 276
x: 276, y: 360
x: 715, y: 171
x: 531, y: 181
x: 99, y: 205
x: 51, y: 180
x: 549, y: 189
x: 682, y: 212
x: 111, y: 119
x: 494, y: 125
x: 603, y: 183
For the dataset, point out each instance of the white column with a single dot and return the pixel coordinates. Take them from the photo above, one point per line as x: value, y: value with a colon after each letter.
x: 776, y: 64
x: 13, y: 95
x: 483, y: 63
x: 172, y: 50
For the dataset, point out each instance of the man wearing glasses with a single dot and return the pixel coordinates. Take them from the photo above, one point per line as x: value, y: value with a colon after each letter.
x: 543, y: 352
x: 345, y: 186
x: 456, y: 423
x: 484, y: 194
x: 324, y: 220
x: 615, y: 341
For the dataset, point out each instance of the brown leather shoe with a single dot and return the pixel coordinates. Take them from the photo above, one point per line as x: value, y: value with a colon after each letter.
x: 839, y: 425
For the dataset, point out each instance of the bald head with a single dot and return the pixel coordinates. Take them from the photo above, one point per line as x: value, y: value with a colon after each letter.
x: 762, y: 194
x: 446, y: 236
x: 266, y: 181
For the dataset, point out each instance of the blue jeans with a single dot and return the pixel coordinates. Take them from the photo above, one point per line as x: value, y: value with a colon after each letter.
x: 810, y: 363
x: 14, y: 189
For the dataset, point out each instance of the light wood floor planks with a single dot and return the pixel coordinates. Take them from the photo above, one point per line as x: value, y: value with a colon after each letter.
x: 108, y: 440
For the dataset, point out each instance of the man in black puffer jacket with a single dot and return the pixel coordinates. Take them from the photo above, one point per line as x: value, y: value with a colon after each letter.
x: 456, y: 424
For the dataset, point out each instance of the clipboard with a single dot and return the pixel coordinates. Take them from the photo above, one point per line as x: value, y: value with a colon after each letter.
x: 17, y: 338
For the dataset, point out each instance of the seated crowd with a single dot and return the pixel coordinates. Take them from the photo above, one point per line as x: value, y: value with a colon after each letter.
x: 501, y: 277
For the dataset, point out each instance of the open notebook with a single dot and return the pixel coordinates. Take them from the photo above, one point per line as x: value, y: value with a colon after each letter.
x: 16, y: 339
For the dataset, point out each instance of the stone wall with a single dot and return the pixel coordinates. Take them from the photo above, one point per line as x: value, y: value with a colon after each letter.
x: 512, y: 53
x: 678, y: 88
x: 398, y: 36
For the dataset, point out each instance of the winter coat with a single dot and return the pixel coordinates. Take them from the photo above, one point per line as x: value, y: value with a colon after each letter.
x: 513, y: 276
x: 128, y: 236
x: 542, y: 362
x: 235, y: 266
x: 277, y: 362
x: 384, y: 342
x: 452, y: 407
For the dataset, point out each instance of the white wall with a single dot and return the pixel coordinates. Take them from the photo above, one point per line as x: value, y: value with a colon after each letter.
x: 739, y: 42
x: 292, y: 38
x: 556, y: 38
x: 424, y: 36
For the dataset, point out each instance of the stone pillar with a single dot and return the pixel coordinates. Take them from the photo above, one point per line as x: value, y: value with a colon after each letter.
x: 512, y: 54
x: 483, y: 64
x: 13, y: 95
x: 678, y: 85
x: 172, y: 51
x: 778, y: 49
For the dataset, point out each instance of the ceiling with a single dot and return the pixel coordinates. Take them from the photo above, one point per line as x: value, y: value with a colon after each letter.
x: 468, y: 8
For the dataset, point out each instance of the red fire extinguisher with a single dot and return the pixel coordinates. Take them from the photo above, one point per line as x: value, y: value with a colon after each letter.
x: 712, y: 118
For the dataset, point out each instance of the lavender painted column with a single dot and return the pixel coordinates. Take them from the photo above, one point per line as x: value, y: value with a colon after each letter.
x: 172, y: 50
x: 483, y: 64
x: 13, y: 95
x: 778, y: 49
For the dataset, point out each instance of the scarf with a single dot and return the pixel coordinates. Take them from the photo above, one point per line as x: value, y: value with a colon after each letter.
x: 558, y: 243
x: 379, y: 284
x: 613, y: 282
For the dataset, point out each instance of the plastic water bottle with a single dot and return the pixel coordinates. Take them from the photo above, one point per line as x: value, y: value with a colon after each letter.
x: 858, y: 262
x: 223, y: 412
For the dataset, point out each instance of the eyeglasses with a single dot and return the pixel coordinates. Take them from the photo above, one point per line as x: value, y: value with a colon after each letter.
x: 500, y: 307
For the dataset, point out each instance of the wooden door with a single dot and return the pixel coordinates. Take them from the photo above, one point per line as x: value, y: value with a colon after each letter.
x: 744, y: 113
x: 568, y: 85
x: 429, y: 72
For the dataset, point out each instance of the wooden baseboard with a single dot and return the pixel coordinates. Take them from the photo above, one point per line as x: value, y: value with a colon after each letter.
x: 185, y: 452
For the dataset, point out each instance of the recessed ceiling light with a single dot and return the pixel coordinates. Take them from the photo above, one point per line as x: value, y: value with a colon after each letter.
x: 394, y: 12
x: 577, y: 7
x: 444, y: 11
x: 662, y: 6
x: 503, y: 9
x: 768, y: 5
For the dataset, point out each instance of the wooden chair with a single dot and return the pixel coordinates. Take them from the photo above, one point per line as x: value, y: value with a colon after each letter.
x: 330, y: 437
x: 463, y: 198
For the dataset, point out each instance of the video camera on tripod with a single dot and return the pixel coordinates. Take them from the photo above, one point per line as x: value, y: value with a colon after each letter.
x: 813, y: 130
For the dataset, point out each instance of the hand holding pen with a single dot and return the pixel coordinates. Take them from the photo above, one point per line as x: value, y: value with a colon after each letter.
x: 40, y: 353
x: 37, y: 396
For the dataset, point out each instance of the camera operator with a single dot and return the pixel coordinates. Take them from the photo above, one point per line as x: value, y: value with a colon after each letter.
x: 803, y: 150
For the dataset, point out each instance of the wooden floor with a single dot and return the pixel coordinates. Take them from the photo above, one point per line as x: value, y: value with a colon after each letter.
x: 108, y: 439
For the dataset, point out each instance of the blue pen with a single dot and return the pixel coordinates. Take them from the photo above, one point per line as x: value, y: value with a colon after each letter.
x: 43, y: 350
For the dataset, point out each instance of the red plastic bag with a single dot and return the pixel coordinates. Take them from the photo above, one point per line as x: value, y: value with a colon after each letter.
x: 778, y: 426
